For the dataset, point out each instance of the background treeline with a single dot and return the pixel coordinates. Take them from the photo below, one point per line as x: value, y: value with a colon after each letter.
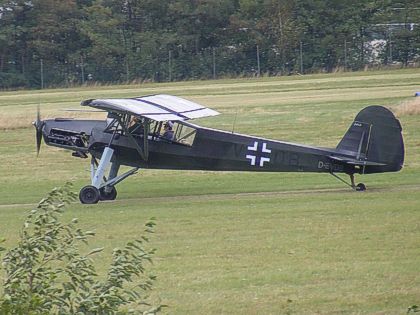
x: 67, y: 42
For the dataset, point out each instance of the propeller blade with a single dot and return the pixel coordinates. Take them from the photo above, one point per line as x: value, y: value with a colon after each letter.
x: 38, y: 140
x: 38, y: 124
x: 38, y: 114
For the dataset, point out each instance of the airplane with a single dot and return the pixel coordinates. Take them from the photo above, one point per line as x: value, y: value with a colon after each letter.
x: 154, y: 132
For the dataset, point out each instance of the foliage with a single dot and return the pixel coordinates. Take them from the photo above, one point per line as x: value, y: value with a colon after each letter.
x: 46, y: 272
x: 413, y: 309
x: 159, y: 40
x: 12, y: 80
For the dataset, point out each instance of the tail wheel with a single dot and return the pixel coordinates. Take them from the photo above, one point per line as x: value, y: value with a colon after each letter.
x: 111, y: 195
x: 89, y: 195
x: 360, y: 187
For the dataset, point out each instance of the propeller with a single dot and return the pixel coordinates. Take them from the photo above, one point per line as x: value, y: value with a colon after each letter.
x: 38, y: 124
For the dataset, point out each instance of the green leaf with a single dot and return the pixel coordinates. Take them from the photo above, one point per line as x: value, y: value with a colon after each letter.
x: 96, y: 250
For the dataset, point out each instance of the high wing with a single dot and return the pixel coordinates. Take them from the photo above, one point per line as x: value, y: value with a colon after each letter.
x: 160, y: 107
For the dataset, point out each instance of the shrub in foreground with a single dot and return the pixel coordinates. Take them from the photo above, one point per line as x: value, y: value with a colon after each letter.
x: 47, y: 274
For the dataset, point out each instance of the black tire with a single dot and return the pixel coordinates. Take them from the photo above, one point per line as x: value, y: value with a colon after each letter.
x: 89, y: 195
x: 360, y: 187
x: 107, y: 196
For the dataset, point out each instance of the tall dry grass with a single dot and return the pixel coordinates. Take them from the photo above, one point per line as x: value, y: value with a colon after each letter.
x: 20, y: 120
x: 10, y: 123
x: 408, y: 107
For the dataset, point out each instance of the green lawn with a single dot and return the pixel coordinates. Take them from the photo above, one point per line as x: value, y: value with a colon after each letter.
x: 244, y: 243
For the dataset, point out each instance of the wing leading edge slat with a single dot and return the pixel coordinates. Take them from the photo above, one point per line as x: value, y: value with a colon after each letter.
x: 159, y: 107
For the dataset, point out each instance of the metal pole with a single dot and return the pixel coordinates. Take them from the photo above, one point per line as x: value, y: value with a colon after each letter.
x: 83, y: 69
x: 170, y: 65
x: 390, y: 48
x: 345, y: 55
x: 42, y: 73
x: 127, y: 71
x: 214, y: 63
x: 258, y: 61
x: 301, y: 57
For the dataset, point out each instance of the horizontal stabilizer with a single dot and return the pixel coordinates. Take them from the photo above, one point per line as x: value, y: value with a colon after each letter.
x: 355, y: 161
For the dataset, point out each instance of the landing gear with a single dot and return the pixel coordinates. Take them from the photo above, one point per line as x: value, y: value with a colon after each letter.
x: 107, y: 194
x: 103, y: 188
x: 89, y: 195
x: 358, y: 187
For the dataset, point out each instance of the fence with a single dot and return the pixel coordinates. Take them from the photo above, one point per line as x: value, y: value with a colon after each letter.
x: 210, y: 63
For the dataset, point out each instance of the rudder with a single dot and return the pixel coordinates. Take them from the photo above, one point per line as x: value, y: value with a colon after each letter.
x: 375, y: 136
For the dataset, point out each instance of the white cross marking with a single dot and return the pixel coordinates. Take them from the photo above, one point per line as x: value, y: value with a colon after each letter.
x: 253, y: 158
x: 264, y: 159
x: 265, y: 150
x: 254, y: 148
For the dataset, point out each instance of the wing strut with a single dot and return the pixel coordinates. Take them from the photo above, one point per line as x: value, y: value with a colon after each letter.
x: 144, y: 153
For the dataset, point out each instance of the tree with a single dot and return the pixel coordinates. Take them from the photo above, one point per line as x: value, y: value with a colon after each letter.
x: 47, y: 274
x: 13, y: 42
x: 405, y: 39
x: 115, y: 41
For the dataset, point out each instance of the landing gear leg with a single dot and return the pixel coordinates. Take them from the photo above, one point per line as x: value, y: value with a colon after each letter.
x: 110, y: 192
x: 353, y: 185
x: 358, y: 187
x: 101, y: 187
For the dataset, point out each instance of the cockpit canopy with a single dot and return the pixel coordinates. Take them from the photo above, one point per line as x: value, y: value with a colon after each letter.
x: 178, y: 132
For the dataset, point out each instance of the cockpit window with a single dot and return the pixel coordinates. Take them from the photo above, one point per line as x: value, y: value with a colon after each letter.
x: 169, y: 131
x: 184, y: 134
x: 112, y: 125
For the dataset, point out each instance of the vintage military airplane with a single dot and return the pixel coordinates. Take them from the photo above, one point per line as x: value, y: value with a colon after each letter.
x: 153, y: 132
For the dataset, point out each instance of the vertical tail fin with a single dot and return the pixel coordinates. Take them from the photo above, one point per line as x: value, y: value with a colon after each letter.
x: 375, y: 136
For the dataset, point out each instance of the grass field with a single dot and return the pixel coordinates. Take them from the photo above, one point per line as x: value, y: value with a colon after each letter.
x: 244, y: 243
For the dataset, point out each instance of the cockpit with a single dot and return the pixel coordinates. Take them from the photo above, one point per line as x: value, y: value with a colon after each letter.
x: 177, y: 132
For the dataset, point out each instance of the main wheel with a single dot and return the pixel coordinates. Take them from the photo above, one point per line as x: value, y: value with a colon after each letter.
x: 360, y: 187
x: 89, y: 195
x: 111, y: 195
